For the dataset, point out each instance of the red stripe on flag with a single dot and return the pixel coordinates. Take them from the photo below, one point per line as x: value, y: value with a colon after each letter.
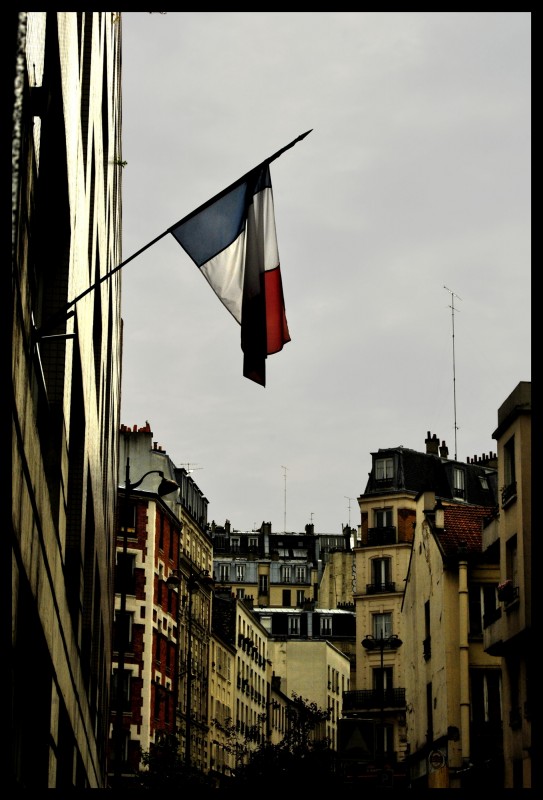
x: 277, y: 333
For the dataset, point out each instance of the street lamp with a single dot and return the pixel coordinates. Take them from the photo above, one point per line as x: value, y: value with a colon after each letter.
x: 166, y: 486
x: 392, y: 642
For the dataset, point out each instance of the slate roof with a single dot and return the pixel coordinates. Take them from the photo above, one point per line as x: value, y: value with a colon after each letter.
x: 418, y: 472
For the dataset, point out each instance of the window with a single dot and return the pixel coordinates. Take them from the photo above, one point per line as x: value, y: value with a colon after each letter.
x: 285, y: 574
x: 511, y: 560
x: 382, y: 679
x: 486, y: 694
x: 380, y: 572
x: 157, y: 701
x: 294, y: 625
x: 482, y: 607
x: 427, y: 643
x: 125, y: 688
x: 240, y: 593
x: 123, y: 747
x: 240, y: 572
x: 300, y: 597
x: 125, y: 574
x: 286, y: 598
x: 266, y: 623
x: 509, y: 491
x: 429, y: 713
x: 509, y: 461
x: 382, y: 625
x: 384, y: 469
x: 123, y: 630
x: 129, y: 516
x: 253, y: 542
x: 384, y: 736
x: 234, y: 544
x: 458, y: 483
x: 263, y: 584
x: 326, y: 626
x: 383, y: 517
x: 224, y: 572
x: 300, y: 574
x: 161, y: 533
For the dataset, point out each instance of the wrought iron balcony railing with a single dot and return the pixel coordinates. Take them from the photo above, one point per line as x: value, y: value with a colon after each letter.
x: 373, y: 699
x: 382, y: 535
x: 380, y: 588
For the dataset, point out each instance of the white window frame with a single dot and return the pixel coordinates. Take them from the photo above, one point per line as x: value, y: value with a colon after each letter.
x: 384, y: 469
x: 459, y: 483
x: 382, y: 623
x: 294, y: 625
x: 383, y: 517
x: 326, y: 626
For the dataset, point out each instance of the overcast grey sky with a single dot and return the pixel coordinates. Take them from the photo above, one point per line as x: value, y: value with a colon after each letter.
x: 416, y: 177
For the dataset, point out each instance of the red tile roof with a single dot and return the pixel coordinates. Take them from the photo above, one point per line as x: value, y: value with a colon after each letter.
x: 463, y: 528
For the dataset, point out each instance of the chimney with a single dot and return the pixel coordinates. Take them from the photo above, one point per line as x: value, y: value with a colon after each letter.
x: 444, y: 450
x: 432, y: 444
x: 440, y: 515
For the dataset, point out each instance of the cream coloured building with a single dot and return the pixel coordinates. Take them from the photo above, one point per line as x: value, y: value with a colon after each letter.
x: 510, y: 633
x: 378, y: 703
x: 453, y: 687
x: 66, y: 373
x: 316, y: 671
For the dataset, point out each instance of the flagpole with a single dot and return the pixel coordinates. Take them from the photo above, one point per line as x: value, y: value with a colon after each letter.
x: 238, y: 182
x: 64, y: 313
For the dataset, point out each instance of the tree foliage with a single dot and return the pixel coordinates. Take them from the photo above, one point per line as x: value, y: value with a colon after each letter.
x: 298, y: 756
x: 164, y: 768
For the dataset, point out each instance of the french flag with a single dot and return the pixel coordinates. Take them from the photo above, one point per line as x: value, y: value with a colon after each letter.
x: 232, y: 240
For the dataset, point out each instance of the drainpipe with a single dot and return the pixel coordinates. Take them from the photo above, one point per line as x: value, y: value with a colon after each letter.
x: 463, y: 614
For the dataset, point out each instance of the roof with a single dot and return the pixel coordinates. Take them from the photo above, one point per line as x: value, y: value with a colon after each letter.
x: 463, y: 529
x: 419, y: 472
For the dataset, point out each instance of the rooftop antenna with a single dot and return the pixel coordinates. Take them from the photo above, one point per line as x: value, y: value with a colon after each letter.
x: 190, y: 467
x: 349, y: 499
x: 285, y: 506
x: 453, y: 295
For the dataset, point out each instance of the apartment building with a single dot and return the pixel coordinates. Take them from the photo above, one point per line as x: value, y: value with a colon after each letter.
x: 375, y: 709
x: 453, y: 687
x: 66, y: 367
x: 509, y: 633
x: 274, y: 569
x: 316, y: 671
x: 162, y: 609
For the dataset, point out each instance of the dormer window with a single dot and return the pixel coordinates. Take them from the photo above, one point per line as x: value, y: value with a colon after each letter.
x: 459, y: 490
x: 384, y: 469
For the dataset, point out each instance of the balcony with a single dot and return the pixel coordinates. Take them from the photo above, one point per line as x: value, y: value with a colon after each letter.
x: 508, y: 593
x: 380, y: 588
x: 373, y: 700
x: 509, y: 493
x: 380, y: 536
